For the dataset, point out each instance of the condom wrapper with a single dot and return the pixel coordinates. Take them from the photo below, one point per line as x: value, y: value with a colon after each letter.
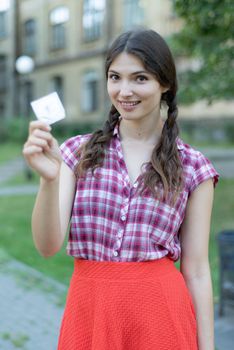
x: 49, y: 108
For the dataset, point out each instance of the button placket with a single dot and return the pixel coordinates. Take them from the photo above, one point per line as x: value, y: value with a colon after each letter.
x: 120, y: 234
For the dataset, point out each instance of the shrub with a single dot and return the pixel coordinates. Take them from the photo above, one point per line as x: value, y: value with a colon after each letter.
x: 14, y: 130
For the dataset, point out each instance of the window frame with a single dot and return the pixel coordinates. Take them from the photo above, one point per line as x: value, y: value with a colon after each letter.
x: 94, y: 30
x: 30, y: 37
x: 58, y: 17
x: 3, y: 24
x: 131, y: 11
x: 90, y: 91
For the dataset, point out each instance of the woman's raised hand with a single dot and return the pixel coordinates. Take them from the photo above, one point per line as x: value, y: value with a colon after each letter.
x: 41, y: 151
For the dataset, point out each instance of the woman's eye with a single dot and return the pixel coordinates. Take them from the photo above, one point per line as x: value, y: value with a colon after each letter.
x: 141, y: 78
x: 113, y: 77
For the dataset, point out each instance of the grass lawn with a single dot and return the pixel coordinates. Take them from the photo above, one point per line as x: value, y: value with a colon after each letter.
x: 9, y: 150
x: 16, y: 240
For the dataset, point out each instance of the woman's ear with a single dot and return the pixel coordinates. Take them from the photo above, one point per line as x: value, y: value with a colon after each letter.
x: 164, y: 89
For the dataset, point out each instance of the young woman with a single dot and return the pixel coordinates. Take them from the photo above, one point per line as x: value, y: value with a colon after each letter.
x: 138, y: 199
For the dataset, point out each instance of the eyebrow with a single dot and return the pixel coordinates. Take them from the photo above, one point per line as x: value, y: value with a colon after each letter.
x: 134, y: 73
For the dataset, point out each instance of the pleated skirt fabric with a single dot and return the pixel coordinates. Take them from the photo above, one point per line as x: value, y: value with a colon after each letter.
x: 128, y: 306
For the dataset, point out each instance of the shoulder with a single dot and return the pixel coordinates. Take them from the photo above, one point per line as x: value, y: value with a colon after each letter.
x: 197, y: 167
x: 189, y: 154
x: 75, y: 142
x: 69, y: 149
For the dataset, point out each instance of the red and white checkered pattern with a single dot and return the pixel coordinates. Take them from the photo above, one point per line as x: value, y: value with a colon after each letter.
x: 111, y: 222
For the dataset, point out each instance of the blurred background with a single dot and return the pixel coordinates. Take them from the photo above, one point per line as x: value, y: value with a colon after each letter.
x: 60, y: 45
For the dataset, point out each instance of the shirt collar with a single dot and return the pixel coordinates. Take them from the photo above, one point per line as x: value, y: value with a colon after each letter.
x: 180, y: 144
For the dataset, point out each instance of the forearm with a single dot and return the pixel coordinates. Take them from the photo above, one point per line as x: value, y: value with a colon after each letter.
x: 46, y: 227
x: 200, y: 288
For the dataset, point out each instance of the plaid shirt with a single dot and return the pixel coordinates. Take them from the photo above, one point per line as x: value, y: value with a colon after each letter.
x: 110, y: 221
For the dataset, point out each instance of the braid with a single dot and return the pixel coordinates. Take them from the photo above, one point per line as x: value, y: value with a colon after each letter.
x: 166, y: 170
x: 170, y: 130
x: 92, y: 153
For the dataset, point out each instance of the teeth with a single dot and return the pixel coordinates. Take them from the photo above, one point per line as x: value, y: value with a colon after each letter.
x: 127, y: 104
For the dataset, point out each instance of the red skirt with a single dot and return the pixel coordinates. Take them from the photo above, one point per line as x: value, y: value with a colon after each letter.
x: 128, y: 306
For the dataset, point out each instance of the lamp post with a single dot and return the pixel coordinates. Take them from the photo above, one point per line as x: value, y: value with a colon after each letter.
x: 24, y: 65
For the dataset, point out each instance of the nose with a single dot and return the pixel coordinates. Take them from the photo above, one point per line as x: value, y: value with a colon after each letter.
x: 125, y: 89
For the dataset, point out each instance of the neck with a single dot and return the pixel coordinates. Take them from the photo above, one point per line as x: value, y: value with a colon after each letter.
x: 148, y: 132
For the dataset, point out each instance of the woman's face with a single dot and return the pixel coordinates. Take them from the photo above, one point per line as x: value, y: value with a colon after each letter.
x: 135, y: 92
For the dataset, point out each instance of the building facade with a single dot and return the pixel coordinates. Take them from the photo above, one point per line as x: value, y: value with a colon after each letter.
x: 67, y: 39
x: 7, y: 54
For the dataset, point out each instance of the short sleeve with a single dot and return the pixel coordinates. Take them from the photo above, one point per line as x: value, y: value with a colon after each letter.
x: 203, y: 170
x: 69, y: 150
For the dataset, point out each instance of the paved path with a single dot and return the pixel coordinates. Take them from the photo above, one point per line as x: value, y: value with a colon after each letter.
x: 224, y: 329
x: 31, y: 307
x: 11, y: 168
x: 18, y: 191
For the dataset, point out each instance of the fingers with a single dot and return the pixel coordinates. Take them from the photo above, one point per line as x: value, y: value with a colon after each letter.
x: 30, y: 150
x: 39, y: 141
x: 38, y: 124
x: 39, y: 136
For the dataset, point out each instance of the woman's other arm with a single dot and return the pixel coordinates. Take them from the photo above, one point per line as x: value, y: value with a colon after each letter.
x: 194, y: 236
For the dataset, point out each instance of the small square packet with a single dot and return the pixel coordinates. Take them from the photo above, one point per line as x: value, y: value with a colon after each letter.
x: 49, y: 108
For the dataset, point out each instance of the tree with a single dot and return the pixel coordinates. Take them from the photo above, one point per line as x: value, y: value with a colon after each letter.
x: 208, y: 36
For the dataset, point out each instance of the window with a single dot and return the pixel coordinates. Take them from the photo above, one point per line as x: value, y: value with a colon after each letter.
x: 133, y: 13
x: 3, y: 23
x: 58, y: 18
x: 93, y: 16
x: 58, y: 86
x: 3, y: 73
x: 90, y: 92
x: 4, y: 7
x: 30, y: 37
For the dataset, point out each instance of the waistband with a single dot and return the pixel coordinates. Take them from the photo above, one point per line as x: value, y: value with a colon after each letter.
x: 149, y: 269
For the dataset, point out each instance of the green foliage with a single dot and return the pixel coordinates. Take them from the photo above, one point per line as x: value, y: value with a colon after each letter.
x: 208, y: 35
x: 68, y: 129
x: 207, y: 132
x: 16, y: 129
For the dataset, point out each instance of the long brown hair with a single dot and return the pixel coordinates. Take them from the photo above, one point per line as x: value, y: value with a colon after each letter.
x: 164, y: 174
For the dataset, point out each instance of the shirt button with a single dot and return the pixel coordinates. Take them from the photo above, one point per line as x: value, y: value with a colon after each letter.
x: 116, y: 253
x: 123, y: 217
x: 135, y: 185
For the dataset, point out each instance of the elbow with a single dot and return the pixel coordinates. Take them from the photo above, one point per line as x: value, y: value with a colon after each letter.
x: 48, y: 252
x: 47, y: 247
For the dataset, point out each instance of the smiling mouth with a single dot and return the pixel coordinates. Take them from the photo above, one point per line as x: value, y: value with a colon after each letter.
x: 128, y: 103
